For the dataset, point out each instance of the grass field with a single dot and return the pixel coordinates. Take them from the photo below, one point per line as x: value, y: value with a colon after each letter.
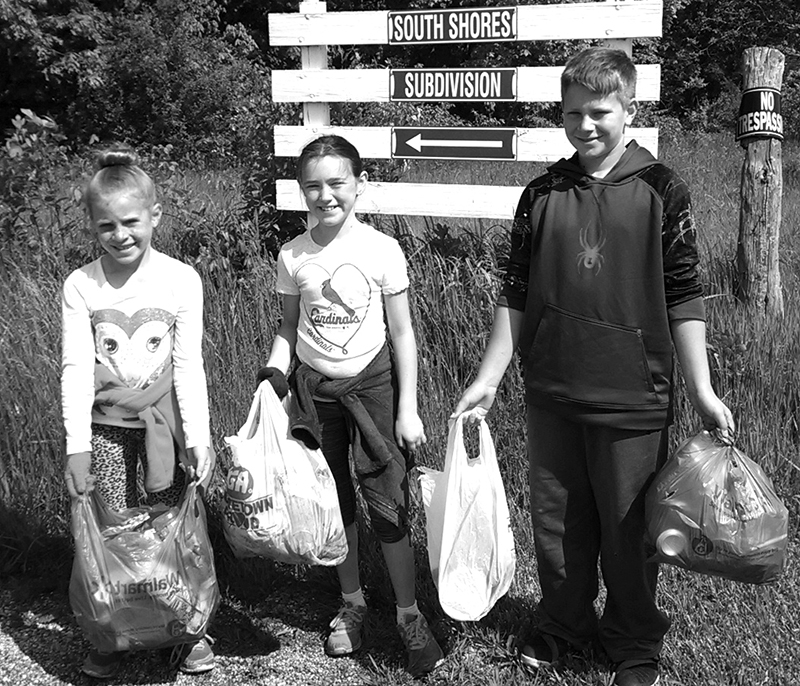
x: 723, y: 633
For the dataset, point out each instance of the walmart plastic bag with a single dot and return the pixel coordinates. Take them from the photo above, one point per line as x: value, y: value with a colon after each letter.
x: 142, y: 578
x: 712, y: 510
x: 280, y: 496
x: 470, y: 543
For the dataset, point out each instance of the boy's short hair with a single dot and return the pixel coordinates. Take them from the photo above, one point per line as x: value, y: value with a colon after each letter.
x: 605, y: 71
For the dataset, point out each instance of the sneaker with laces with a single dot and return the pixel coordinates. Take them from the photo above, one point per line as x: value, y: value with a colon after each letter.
x: 543, y: 650
x: 636, y: 673
x: 424, y: 653
x: 198, y: 658
x: 347, y: 629
x: 99, y: 665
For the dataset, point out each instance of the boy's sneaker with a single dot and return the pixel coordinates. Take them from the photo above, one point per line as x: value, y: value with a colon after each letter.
x: 347, y: 629
x: 424, y: 653
x: 198, y: 659
x: 543, y: 650
x: 99, y: 665
x: 636, y: 673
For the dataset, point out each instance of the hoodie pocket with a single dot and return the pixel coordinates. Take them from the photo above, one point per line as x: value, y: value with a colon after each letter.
x: 589, y: 361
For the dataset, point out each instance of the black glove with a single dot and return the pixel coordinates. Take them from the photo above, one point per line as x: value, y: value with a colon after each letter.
x: 276, y: 378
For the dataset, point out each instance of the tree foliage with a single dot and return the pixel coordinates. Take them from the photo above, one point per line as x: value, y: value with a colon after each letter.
x: 701, y: 53
x: 158, y: 72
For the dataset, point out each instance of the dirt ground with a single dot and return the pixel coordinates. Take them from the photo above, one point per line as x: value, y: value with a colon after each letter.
x: 277, y: 642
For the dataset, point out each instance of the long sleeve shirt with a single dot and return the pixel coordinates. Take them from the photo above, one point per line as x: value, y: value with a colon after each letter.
x: 134, y: 331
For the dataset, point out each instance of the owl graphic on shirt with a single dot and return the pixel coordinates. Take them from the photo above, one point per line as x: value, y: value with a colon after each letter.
x: 136, y: 348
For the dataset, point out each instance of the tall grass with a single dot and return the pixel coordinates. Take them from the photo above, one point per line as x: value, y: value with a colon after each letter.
x: 723, y: 633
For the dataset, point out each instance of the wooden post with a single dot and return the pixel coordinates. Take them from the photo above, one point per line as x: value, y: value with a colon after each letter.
x: 624, y: 44
x: 759, y: 281
x: 314, y: 57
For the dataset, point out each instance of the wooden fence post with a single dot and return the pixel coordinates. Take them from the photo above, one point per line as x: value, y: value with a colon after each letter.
x: 760, y: 131
x: 315, y: 57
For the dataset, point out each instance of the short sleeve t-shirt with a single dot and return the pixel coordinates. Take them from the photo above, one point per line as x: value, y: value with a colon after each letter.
x: 341, y: 287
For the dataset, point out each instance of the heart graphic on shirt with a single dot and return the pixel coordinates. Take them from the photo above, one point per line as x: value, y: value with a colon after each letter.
x: 135, y: 348
x: 338, y: 303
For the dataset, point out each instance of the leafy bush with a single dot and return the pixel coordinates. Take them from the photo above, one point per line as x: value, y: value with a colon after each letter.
x: 37, y: 208
x: 174, y: 75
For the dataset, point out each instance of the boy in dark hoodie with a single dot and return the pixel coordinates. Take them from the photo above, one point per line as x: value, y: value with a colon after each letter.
x: 601, y: 283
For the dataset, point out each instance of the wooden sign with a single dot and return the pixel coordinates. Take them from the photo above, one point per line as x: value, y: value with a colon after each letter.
x: 380, y: 142
x: 760, y: 114
x: 438, y: 85
x: 453, y: 25
x: 614, y: 22
x: 523, y: 84
x: 453, y: 143
x: 566, y: 21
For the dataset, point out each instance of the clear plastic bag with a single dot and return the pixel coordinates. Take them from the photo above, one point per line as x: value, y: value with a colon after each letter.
x: 712, y: 510
x: 470, y: 542
x: 280, y: 496
x: 142, y: 578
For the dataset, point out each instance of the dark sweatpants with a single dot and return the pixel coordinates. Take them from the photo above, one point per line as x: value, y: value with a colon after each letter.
x: 587, y: 499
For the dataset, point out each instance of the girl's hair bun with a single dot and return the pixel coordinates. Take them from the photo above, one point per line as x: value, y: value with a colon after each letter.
x: 118, y: 171
x: 117, y: 157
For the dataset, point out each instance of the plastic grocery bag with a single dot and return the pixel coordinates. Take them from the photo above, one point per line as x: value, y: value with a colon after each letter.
x: 142, y: 578
x: 712, y: 510
x: 470, y: 542
x: 280, y: 496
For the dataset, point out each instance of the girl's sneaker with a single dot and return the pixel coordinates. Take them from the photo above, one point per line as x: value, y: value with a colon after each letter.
x: 195, y: 658
x: 347, y: 630
x: 424, y: 653
x: 99, y: 665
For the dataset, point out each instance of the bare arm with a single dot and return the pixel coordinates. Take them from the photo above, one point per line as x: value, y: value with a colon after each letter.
x: 409, y: 430
x: 479, y: 396
x: 285, y: 340
x: 689, y: 338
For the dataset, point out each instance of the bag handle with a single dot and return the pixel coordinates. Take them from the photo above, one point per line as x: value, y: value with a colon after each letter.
x: 455, y: 437
x: 250, y: 425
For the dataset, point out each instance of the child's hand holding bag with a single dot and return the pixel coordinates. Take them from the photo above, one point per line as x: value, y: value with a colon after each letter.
x: 470, y: 543
x: 280, y: 497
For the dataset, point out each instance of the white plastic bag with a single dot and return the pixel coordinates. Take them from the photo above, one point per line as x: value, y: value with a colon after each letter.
x: 280, y: 496
x: 470, y: 543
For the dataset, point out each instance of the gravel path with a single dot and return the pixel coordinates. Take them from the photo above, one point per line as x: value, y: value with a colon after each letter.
x: 275, y: 643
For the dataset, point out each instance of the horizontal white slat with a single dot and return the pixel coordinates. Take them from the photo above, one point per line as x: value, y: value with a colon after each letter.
x: 572, y: 21
x: 533, y: 145
x: 534, y: 84
x: 420, y: 199
x: 587, y: 20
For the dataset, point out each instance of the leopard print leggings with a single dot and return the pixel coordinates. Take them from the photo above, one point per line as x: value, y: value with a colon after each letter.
x: 119, y: 461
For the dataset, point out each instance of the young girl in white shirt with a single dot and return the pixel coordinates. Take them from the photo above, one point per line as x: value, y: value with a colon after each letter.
x: 133, y: 385
x: 353, y: 392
